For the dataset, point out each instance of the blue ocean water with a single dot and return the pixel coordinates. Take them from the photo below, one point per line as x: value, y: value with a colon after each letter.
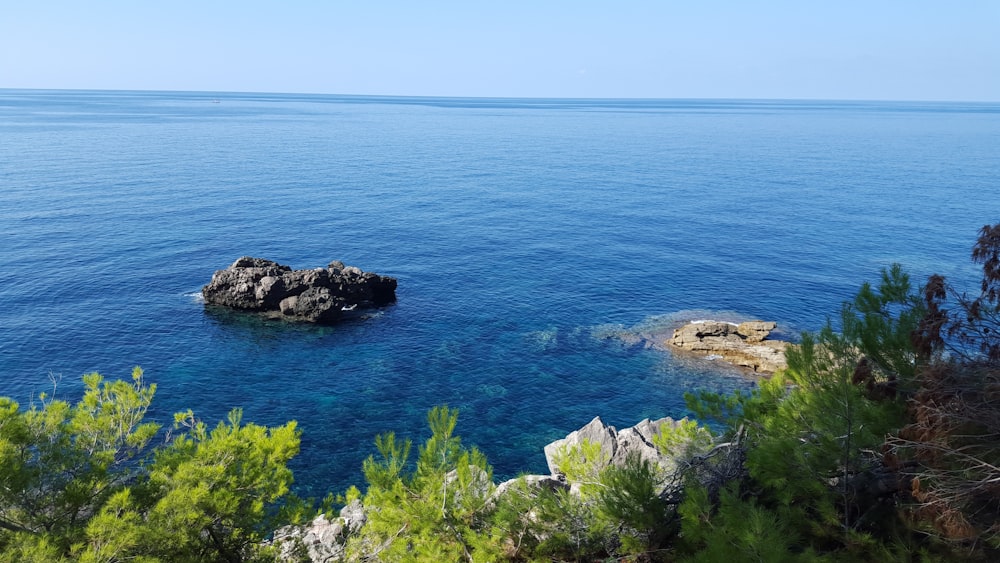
x: 531, y: 240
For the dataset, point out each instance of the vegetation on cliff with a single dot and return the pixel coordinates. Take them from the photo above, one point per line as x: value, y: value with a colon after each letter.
x: 880, y: 442
x: 84, y: 482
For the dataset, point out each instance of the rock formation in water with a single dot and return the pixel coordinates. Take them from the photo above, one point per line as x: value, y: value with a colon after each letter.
x: 744, y: 344
x: 321, y: 295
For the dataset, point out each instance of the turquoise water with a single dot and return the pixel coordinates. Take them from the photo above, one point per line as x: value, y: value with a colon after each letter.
x: 531, y: 239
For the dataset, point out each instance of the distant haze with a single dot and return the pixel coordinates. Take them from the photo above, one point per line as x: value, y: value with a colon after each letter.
x: 886, y: 49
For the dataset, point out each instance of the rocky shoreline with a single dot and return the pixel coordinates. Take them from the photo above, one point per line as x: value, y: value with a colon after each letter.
x: 745, y: 344
x: 324, y: 539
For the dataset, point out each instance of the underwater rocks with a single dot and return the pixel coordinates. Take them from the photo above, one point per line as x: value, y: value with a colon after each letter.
x: 321, y: 295
x: 743, y: 344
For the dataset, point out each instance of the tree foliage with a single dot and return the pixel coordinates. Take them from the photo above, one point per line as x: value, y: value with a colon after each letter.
x: 876, y: 439
x: 430, y: 512
x: 812, y: 435
x: 950, y: 446
x: 83, y: 482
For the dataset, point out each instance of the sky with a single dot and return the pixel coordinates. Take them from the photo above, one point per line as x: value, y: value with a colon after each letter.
x: 780, y: 49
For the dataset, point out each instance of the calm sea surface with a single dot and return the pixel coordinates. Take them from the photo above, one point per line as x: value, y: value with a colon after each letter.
x: 531, y: 239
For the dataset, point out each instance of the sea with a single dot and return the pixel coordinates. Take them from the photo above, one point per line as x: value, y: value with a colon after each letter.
x: 543, y: 247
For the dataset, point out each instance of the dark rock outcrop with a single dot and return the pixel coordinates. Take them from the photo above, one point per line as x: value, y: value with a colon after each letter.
x: 744, y: 344
x: 321, y: 295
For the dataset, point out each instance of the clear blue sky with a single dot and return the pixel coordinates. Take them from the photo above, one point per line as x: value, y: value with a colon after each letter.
x: 846, y: 49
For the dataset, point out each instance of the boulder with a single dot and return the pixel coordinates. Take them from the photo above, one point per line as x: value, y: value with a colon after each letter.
x: 321, y: 295
x: 530, y: 483
x: 744, y: 344
x: 616, y: 445
x: 321, y: 539
x: 755, y: 331
x: 594, y: 431
x: 706, y: 335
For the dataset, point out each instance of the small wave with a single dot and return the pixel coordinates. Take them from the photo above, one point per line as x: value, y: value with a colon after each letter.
x: 685, y: 316
x: 703, y: 321
x: 196, y: 296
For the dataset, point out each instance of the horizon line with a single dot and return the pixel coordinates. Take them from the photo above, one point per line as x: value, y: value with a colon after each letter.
x: 535, y: 98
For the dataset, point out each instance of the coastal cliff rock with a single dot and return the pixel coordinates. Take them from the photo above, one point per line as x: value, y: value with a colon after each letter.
x: 324, y: 540
x: 616, y: 445
x: 320, y: 295
x: 321, y: 540
x: 743, y: 344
